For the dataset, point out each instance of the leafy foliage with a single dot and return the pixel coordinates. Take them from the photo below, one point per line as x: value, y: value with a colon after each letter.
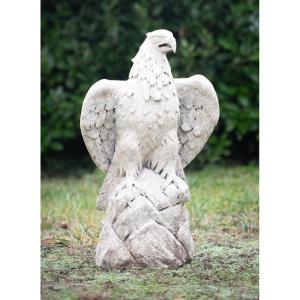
x: 84, y: 41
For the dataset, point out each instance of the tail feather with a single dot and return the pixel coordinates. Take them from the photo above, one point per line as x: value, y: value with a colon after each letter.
x: 111, y: 180
x: 179, y: 169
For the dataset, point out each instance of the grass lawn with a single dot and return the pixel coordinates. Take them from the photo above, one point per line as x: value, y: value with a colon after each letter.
x: 224, y: 222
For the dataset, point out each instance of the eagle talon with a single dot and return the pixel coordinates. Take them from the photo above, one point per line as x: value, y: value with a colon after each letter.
x: 128, y: 187
x: 179, y: 183
x: 182, y: 193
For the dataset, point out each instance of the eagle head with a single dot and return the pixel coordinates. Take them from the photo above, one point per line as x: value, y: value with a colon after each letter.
x: 162, y: 40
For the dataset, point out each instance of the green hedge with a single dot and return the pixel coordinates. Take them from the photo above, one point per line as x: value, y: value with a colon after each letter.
x: 84, y: 41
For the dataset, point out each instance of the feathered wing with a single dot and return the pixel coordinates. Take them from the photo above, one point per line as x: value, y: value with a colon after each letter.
x: 199, y: 114
x: 97, y: 121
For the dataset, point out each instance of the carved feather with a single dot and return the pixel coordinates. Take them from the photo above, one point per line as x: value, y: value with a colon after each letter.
x: 97, y: 121
x: 199, y: 114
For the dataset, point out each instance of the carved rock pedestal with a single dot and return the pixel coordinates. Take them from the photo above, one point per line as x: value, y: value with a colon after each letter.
x: 146, y: 226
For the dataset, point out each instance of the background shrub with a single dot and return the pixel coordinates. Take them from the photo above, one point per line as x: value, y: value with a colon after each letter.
x: 84, y: 41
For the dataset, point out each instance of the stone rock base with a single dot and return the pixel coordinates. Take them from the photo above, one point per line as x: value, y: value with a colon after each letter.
x: 145, y: 226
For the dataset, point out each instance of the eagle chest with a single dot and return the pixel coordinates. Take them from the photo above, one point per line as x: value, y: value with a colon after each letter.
x: 151, y: 115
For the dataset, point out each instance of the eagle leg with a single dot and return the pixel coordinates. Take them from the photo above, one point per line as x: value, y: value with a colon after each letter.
x: 127, y: 155
x: 128, y: 162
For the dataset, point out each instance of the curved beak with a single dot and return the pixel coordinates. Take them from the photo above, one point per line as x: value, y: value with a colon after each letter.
x: 173, y: 44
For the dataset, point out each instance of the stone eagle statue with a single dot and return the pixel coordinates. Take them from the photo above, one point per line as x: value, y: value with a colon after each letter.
x: 150, y: 121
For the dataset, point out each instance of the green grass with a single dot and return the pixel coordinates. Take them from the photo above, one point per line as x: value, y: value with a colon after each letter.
x: 224, y: 222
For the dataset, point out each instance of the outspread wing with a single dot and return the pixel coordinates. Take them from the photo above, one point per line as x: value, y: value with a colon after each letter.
x: 199, y: 114
x: 97, y: 121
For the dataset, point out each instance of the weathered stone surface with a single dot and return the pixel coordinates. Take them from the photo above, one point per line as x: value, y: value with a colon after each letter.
x: 111, y: 252
x: 142, y: 132
x: 141, y: 233
x: 152, y: 245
